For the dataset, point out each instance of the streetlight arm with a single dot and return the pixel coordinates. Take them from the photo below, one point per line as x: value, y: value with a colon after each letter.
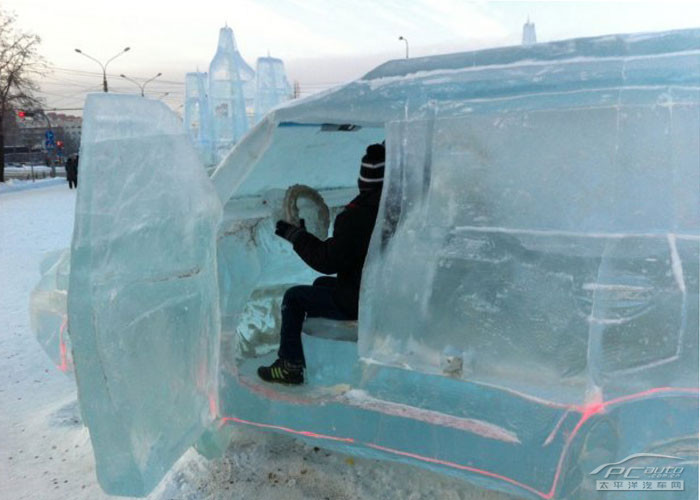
x: 113, y: 58
x: 150, y: 80
x: 103, y: 66
x: 131, y: 80
x: 143, y: 87
x: 406, y: 42
x: 90, y: 57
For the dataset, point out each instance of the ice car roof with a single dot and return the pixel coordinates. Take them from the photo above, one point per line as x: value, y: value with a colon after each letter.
x: 493, y: 80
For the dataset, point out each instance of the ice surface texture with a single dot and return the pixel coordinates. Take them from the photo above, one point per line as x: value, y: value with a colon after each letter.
x: 529, y: 307
x: 48, y: 309
x: 538, y: 239
x: 143, y: 299
x: 560, y: 245
x: 541, y: 206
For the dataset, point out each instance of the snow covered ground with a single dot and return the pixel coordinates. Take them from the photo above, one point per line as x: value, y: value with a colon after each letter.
x: 26, y: 172
x: 13, y: 185
x: 45, y: 452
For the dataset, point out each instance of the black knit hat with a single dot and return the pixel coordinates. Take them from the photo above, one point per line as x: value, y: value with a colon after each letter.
x: 372, y: 169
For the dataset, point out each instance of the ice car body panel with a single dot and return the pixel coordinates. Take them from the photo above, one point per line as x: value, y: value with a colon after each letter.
x: 529, y: 308
x: 143, y: 304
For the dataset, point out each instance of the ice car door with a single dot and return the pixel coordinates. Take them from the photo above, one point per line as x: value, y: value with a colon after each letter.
x: 143, y: 297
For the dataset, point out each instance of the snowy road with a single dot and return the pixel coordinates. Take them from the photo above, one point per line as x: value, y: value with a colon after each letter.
x: 45, y: 452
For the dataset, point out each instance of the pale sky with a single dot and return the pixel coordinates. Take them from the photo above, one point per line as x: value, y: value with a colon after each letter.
x: 323, y: 42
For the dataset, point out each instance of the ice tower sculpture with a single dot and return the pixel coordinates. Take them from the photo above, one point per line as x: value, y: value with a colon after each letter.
x: 222, y: 105
x: 529, y: 36
x: 272, y: 86
x: 529, y: 304
x: 246, y: 75
x: 226, y: 94
x: 198, y: 114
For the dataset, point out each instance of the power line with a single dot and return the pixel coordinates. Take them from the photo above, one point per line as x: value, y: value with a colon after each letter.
x: 173, y: 82
x: 93, y: 73
x: 67, y: 85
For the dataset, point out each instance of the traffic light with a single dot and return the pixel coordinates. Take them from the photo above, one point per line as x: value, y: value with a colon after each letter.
x: 21, y: 113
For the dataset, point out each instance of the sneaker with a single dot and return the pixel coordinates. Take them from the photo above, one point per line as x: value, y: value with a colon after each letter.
x: 282, y: 372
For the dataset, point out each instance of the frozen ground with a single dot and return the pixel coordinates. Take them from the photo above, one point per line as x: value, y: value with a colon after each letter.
x: 13, y: 185
x: 45, y: 452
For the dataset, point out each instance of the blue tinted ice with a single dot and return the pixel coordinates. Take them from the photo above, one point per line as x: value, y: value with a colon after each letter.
x: 538, y: 241
x: 529, y: 306
x: 143, y: 302
x: 227, y: 80
x: 48, y: 309
x: 198, y: 119
x: 272, y: 86
x: 565, y: 268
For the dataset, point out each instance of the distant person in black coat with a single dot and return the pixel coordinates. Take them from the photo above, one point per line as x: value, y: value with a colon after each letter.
x: 342, y: 254
x: 77, y: 165
x: 72, y: 171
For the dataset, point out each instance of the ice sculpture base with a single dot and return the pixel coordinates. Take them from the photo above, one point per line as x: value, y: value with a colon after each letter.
x: 438, y: 422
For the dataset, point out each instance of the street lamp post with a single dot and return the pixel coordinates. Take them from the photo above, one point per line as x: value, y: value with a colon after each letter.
x: 143, y: 85
x: 103, y: 66
x: 406, y: 42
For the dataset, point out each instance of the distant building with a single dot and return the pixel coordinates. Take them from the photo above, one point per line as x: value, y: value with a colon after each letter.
x: 71, y: 125
x: 31, y: 132
x: 529, y: 36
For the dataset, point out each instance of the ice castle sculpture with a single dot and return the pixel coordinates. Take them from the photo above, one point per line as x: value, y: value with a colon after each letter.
x: 221, y: 105
x: 529, y: 305
x: 529, y: 36
x: 226, y: 95
x: 272, y: 86
x: 197, y: 118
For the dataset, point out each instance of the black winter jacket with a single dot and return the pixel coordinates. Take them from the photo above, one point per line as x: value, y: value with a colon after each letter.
x: 71, y: 169
x: 344, y: 253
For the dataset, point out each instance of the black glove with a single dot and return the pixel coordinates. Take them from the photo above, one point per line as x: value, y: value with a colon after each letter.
x: 288, y: 231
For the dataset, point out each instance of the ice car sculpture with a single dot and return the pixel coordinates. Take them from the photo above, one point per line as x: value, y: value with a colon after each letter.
x: 48, y: 309
x: 529, y: 307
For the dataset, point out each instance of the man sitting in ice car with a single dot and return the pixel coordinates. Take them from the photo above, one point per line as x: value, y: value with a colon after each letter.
x: 342, y: 254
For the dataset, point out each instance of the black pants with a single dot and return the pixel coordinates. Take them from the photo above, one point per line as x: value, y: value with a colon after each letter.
x: 72, y: 183
x: 299, y: 302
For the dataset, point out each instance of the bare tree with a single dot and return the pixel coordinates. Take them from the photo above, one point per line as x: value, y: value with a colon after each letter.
x: 20, y: 64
